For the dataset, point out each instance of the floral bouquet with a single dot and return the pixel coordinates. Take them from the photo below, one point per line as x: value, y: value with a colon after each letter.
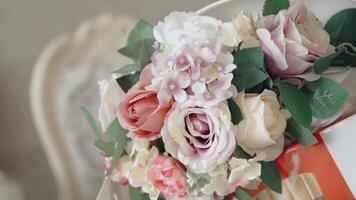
x: 207, y: 106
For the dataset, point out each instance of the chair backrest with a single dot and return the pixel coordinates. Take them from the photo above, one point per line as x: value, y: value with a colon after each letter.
x: 65, y: 78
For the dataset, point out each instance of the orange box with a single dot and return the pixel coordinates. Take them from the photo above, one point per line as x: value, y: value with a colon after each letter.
x: 321, y: 160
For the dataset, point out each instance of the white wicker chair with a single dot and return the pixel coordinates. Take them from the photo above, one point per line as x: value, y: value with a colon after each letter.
x: 65, y: 78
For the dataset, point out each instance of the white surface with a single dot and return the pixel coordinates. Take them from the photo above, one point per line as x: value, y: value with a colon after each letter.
x: 340, y: 141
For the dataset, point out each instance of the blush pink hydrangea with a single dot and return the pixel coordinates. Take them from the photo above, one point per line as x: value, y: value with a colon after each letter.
x: 165, y: 175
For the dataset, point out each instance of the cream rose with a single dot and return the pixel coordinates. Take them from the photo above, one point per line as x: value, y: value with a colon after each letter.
x: 110, y: 97
x: 201, y: 138
x: 263, y: 125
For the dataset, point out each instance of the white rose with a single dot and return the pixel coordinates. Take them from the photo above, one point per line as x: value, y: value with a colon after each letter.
x: 263, y: 125
x: 110, y: 97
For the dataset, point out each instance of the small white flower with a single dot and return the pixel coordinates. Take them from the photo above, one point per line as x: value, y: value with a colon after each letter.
x: 243, y: 171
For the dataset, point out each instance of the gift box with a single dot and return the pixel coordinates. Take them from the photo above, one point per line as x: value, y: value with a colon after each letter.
x: 325, y: 170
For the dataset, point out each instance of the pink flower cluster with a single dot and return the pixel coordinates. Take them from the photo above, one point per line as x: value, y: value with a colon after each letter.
x: 167, y: 177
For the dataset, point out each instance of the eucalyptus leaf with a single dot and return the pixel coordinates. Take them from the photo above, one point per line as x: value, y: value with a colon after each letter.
x: 139, y: 51
x: 325, y: 62
x: 107, y: 147
x: 119, y: 149
x: 296, y: 102
x: 116, y: 133
x: 91, y: 120
x: 303, y: 135
x: 127, y: 69
x: 142, y: 30
x: 341, y: 28
x: 126, y: 82
x: 272, y: 7
x: 135, y: 193
x: 250, y: 69
x: 240, y: 153
x: 326, y: 97
x: 242, y: 195
x: 236, y: 115
x: 270, y: 176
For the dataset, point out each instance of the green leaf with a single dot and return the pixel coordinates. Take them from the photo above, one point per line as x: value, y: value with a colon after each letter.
x: 272, y: 7
x: 300, y: 133
x: 142, y: 30
x: 296, y: 102
x: 135, y: 193
x: 326, y: 97
x: 270, y: 176
x: 341, y: 28
x: 236, y: 115
x: 127, y: 69
x: 119, y: 149
x: 116, y: 133
x: 139, y: 45
x: 126, y: 82
x: 250, y: 69
x: 242, y: 195
x: 240, y: 153
x: 91, y: 120
x: 107, y: 147
x: 139, y: 51
x: 324, y: 63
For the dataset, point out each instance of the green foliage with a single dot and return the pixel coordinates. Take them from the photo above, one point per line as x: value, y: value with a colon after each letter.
x: 127, y: 69
x: 142, y: 30
x: 272, y: 7
x: 324, y: 63
x: 341, y: 28
x: 240, y: 153
x: 296, y: 102
x: 242, y: 195
x: 250, y: 69
x: 126, y: 82
x: 303, y: 135
x: 91, y: 120
x: 139, y: 48
x: 135, y: 193
x: 107, y: 147
x: 270, y: 176
x: 236, y: 115
x: 326, y: 97
x: 139, y: 45
x: 139, y: 51
x: 116, y: 133
x: 113, y: 141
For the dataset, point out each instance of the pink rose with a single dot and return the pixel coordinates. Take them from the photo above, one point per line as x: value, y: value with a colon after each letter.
x: 140, y: 111
x: 201, y: 138
x: 292, y: 41
x: 166, y: 176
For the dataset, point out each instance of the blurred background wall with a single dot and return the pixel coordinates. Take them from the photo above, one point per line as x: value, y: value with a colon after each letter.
x: 26, y: 26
